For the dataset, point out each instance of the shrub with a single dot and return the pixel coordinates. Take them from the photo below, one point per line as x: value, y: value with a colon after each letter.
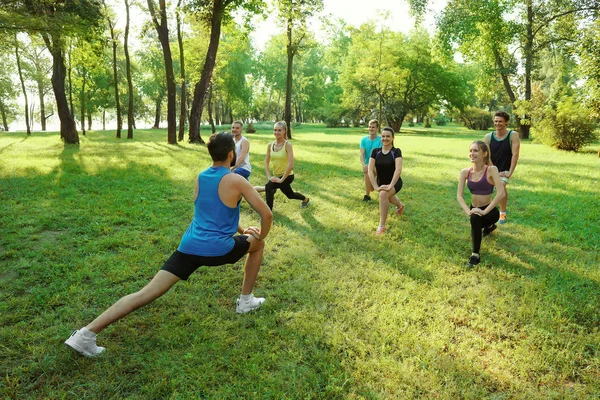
x: 569, y: 127
x: 476, y: 118
x: 440, y: 120
x: 250, y: 128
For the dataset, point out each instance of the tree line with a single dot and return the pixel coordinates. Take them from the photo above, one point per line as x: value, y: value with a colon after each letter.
x: 537, y: 60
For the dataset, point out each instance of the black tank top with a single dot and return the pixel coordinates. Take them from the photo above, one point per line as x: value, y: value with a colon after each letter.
x: 501, y: 151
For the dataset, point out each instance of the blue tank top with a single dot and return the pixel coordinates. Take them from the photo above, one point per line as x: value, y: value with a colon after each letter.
x: 211, y: 232
x: 481, y: 186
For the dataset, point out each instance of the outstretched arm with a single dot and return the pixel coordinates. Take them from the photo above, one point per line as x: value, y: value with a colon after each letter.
x: 258, y: 204
x: 500, y: 191
x: 516, y: 149
x: 460, y: 192
x: 244, y: 149
x: 267, y: 161
x: 372, y: 174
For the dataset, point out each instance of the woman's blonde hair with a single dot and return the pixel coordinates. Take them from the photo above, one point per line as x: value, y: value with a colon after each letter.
x: 283, y: 125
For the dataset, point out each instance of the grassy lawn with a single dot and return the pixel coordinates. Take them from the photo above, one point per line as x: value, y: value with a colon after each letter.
x: 348, y: 315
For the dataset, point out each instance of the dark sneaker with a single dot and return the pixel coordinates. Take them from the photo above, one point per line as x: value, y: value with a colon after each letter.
x: 82, y: 342
x: 489, y: 229
x: 366, y: 198
x: 305, y: 202
x: 473, y: 261
x: 242, y: 307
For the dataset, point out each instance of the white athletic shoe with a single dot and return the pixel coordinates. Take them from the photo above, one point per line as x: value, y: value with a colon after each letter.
x: 242, y: 307
x: 83, y: 341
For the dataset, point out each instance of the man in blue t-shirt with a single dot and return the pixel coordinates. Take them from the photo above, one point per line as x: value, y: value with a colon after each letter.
x: 367, y: 144
x: 210, y: 240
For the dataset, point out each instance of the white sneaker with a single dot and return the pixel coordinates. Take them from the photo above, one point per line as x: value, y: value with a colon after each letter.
x: 81, y: 342
x: 242, y: 307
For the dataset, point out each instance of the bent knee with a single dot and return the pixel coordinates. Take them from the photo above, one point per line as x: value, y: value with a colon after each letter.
x: 255, y: 244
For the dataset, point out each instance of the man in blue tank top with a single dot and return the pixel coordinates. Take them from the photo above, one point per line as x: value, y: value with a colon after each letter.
x: 210, y: 240
x: 504, y: 147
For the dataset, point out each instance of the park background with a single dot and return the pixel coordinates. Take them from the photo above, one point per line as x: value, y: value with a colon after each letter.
x: 92, y: 203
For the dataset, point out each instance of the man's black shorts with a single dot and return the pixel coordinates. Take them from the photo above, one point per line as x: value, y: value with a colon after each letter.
x: 183, y: 265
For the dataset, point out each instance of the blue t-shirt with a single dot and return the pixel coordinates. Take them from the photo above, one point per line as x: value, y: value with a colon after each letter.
x: 211, y: 232
x: 368, y: 144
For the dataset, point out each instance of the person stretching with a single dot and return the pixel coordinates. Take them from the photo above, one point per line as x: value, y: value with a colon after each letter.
x: 209, y: 240
x: 481, y: 178
x: 280, y: 160
x: 386, y: 163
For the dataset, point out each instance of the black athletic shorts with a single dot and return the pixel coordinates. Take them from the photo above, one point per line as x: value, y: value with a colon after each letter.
x: 183, y: 265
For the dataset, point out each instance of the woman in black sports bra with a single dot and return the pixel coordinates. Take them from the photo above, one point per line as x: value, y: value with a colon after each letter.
x: 481, y: 179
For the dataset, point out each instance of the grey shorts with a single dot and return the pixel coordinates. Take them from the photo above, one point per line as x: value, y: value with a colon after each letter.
x: 504, y: 179
x: 183, y: 265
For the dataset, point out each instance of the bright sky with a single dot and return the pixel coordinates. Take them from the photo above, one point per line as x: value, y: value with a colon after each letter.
x: 356, y: 12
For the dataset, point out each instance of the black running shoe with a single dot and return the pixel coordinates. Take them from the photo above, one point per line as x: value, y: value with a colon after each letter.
x: 489, y: 229
x: 473, y: 261
x: 366, y: 198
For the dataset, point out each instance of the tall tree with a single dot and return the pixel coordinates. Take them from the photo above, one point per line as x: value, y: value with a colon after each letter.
x: 109, y: 15
x: 295, y: 13
x: 163, y: 36
x: 212, y: 12
x: 130, y: 120
x: 22, y: 80
x: 183, y: 100
x: 8, y: 93
x: 510, y: 35
x: 56, y: 20
x: 37, y: 67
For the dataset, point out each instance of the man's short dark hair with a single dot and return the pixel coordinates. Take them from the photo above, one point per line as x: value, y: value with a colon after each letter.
x: 219, y: 145
x: 238, y: 122
x: 502, y: 114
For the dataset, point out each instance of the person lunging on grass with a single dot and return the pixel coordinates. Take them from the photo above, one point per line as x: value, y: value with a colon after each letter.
x: 481, y: 178
x: 210, y: 240
x: 367, y: 144
x: 386, y: 163
x: 279, y: 167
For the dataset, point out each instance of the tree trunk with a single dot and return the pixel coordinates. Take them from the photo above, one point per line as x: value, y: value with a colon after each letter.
x: 68, y: 131
x: 157, y: 112
x: 103, y: 119
x: 287, y: 114
x: 524, y: 132
x: 71, y: 87
x: 116, y: 80
x: 209, y: 107
x: 182, y: 112
x: 217, y: 109
x: 40, y: 85
x: 507, y: 86
x: 163, y: 36
x: 22, y: 86
x: 89, y: 120
x: 82, y: 102
x: 201, y: 87
x: 130, y: 122
x: 5, y: 120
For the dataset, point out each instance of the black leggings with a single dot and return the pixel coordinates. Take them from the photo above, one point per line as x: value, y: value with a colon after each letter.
x: 479, y: 222
x: 271, y: 188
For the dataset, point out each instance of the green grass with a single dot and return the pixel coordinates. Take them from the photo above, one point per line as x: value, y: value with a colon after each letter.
x: 348, y: 314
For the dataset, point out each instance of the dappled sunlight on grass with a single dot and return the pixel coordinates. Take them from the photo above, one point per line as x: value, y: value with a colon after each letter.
x: 348, y: 314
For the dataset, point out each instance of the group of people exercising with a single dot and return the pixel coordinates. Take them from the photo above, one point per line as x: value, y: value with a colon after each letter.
x: 215, y: 237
